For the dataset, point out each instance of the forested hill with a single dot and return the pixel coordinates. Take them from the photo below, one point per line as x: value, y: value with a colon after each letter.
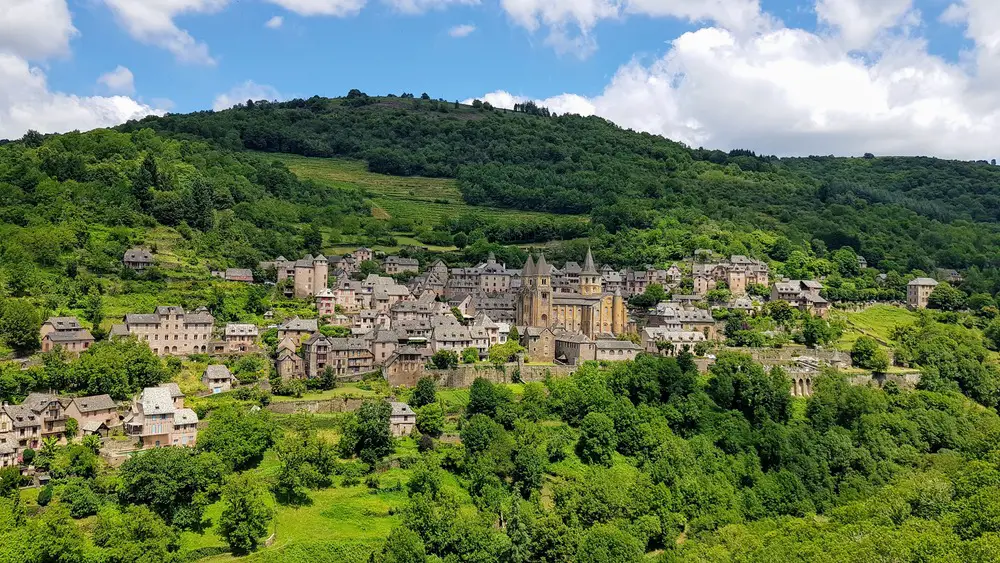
x: 900, y: 213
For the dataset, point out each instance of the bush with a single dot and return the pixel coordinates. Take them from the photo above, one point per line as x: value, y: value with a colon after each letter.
x: 45, y: 495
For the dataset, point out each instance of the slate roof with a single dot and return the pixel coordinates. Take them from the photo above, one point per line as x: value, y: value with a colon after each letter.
x: 156, y: 400
x: 218, y: 371
x: 94, y: 403
x: 64, y: 323
x: 173, y: 388
x: 300, y: 325
x: 70, y: 335
x: 138, y: 255
x: 400, y: 409
x: 236, y: 329
x: 923, y: 282
x: 617, y: 345
x: 185, y: 416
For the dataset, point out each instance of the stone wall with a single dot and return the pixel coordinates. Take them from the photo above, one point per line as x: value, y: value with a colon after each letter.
x: 463, y: 376
x: 339, y: 404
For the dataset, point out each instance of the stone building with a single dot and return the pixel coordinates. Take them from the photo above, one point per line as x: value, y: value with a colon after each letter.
x: 403, y: 420
x: 158, y: 418
x: 241, y: 338
x: 397, y: 265
x: 918, y: 292
x: 345, y: 356
x: 803, y: 294
x: 738, y: 272
x: 138, y: 259
x: 589, y: 311
x: 297, y: 329
x: 288, y: 363
x: 668, y: 342
x: 217, y: 378
x: 66, y: 333
x: 170, y: 331
x: 96, y: 414
x: 309, y: 276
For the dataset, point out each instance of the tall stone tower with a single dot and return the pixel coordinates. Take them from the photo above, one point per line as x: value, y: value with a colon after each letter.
x: 321, y: 274
x: 535, y: 304
x: 619, y: 314
x: 590, y: 278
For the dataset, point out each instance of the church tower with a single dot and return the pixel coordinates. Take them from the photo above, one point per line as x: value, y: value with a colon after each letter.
x: 590, y: 278
x: 541, y: 309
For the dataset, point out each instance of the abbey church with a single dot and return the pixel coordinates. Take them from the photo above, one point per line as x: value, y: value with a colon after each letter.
x: 585, y: 309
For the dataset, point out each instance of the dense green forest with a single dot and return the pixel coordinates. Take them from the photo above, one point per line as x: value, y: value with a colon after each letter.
x: 900, y: 213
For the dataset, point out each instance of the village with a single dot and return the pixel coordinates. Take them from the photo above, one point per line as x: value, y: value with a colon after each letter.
x: 439, y: 318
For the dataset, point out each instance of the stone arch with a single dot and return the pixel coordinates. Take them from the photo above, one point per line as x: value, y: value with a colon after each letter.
x: 809, y: 387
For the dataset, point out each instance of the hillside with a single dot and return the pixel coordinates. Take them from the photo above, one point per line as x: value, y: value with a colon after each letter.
x: 901, y: 214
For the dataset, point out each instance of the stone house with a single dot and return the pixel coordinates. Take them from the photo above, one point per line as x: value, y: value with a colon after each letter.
x: 803, y: 294
x: 738, y: 272
x: 241, y: 338
x: 170, y: 331
x: 297, y: 329
x: 574, y: 348
x: 94, y: 412
x: 157, y: 420
x: 50, y: 412
x: 676, y: 317
x: 450, y: 337
x: 363, y: 255
x: 383, y: 343
x: 540, y: 344
x: 288, y: 363
x: 396, y: 265
x: 309, y: 276
x: 326, y: 303
x: 406, y: 365
x: 73, y: 342
x: 918, y: 292
x: 24, y: 430
x: 369, y: 320
x: 383, y: 297
x: 403, y: 420
x: 613, y: 350
x: 345, y: 356
x: 217, y: 378
x: 239, y: 275
x: 673, y: 341
x: 138, y: 259
x: 8, y: 444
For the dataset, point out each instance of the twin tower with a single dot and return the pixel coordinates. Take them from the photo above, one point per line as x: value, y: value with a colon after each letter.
x: 586, y: 309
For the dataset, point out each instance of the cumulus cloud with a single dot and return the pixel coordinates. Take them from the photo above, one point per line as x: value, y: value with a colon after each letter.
x: 795, y: 92
x: 860, y: 21
x: 119, y: 80
x: 152, y: 22
x: 26, y: 103
x: 275, y: 22
x: 462, y: 30
x: 35, y: 29
x: 336, y: 8
x: 240, y: 93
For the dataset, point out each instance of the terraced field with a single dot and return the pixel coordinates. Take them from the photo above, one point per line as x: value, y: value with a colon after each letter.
x: 425, y: 200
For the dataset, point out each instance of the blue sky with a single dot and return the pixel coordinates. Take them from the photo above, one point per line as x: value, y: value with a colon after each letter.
x: 782, y: 76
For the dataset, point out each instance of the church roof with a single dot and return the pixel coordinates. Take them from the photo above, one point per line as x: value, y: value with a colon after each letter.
x: 529, y: 267
x: 588, y: 264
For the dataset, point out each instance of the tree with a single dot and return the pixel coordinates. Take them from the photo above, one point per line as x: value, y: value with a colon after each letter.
x: 329, y: 378
x: 368, y: 434
x: 867, y: 354
x: 470, y: 355
x: 597, y: 439
x: 817, y: 331
x: 402, y: 546
x: 424, y: 393
x: 605, y: 543
x: 135, y: 535
x: 306, y: 462
x: 369, y: 267
x: 119, y: 367
x: 238, y: 435
x: 482, y: 398
x: 147, y: 177
x: 93, y: 310
x: 430, y: 420
x: 246, y: 513
x: 741, y: 384
x: 945, y: 297
x: 501, y: 354
x: 45, y: 495
x: 198, y: 205
x: 175, y: 483
x: 72, y: 428
x: 444, y: 359
x: 991, y: 334
x: 513, y: 335
x: 19, y: 326
x: 312, y: 239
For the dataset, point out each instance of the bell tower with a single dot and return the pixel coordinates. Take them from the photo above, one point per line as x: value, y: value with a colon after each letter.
x: 590, y: 278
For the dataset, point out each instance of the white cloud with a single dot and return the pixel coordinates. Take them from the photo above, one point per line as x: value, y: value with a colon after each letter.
x: 275, y: 22
x: 860, y: 21
x: 119, y: 80
x: 35, y: 29
x: 27, y: 103
x: 421, y: 6
x: 152, y: 21
x: 795, y: 92
x: 337, y: 8
x: 249, y: 90
x: 462, y: 30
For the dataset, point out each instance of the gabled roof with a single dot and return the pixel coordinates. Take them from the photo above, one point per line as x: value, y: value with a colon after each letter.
x: 400, y: 409
x: 173, y: 388
x: 588, y: 264
x: 64, y: 323
x: 218, y: 371
x: 70, y: 336
x: 38, y: 401
x: 238, y: 329
x: 156, y: 400
x: 300, y: 325
x: 923, y: 282
x: 138, y: 255
x: 185, y: 416
x: 94, y: 403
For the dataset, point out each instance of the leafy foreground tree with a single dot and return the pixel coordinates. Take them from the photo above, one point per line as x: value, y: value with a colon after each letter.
x: 597, y: 439
x: 366, y: 433
x: 867, y: 354
x: 246, y: 514
x: 424, y: 393
x: 238, y: 435
x: 430, y: 420
x: 135, y: 534
x: 175, y: 483
x: 307, y: 461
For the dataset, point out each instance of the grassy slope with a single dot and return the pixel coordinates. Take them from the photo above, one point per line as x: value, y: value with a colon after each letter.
x: 877, y: 322
x: 421, y: 199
